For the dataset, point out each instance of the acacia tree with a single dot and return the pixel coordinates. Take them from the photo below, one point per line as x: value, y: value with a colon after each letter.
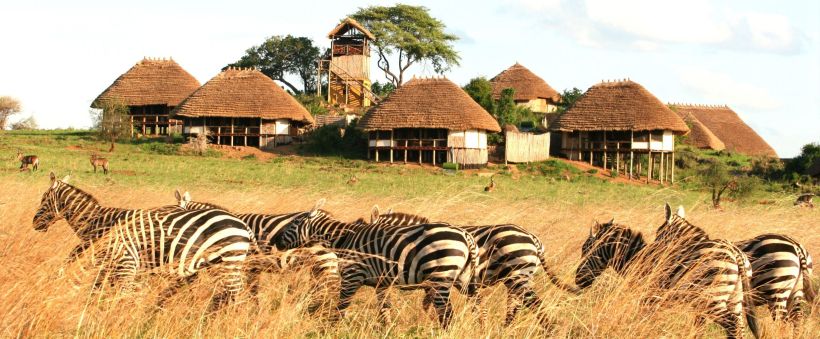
x: 410, y: 34
x: 717, y: 177
x: 279, y: 56
x: 8, y: 106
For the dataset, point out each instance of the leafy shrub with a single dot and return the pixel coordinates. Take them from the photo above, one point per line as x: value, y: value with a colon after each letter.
x: 592, y: 171
x: 450, y: 166
x: 333, y: 140
x: 160, y: 148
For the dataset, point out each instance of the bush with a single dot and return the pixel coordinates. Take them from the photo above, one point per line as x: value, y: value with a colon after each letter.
x: 25, y: 124
x: 350, y: 142
x: 450, y: 166
x: 592, y: 171
x: 160, y: 148
x: 314, y: 104
x: 767, y: 167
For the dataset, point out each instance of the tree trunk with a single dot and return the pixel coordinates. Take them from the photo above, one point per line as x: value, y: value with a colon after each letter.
x: 292, y: 88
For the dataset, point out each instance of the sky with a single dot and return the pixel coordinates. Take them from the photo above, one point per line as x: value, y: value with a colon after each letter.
x: 762, y: 58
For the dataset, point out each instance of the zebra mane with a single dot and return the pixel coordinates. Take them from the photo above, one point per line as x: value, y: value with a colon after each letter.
x: 395, y: 216
x: 77, y: 190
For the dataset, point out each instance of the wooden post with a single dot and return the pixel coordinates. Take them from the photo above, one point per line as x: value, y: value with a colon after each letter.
x: 618, y: 157
x: 405, y: 150
x: 663, y: 169
x: 420, y: 146
x: 391, y: 146
x: 673, y: 168
x: 605, y: 150
x: 232, y: 131
x: 434, y: 152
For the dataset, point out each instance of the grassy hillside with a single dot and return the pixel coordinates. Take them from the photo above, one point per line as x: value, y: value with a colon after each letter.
x: 539, y: 197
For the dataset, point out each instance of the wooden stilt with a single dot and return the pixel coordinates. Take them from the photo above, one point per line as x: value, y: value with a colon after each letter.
x: 405, y: 151
x: 605, y: 153
x: 391, y: 146
x: 673, y: 168
x: 434, y: 152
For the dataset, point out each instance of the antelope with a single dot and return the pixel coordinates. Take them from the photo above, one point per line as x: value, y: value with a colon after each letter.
x: 97, y: 161
x: 26, y: 160
x: 353, y: 180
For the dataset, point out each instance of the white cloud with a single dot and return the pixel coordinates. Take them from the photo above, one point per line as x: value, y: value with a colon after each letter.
x: 649, y: 25
x: 719, y: 88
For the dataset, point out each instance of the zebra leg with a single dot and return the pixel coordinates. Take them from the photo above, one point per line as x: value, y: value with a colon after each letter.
x: 126, y: 271
x: 519, y: 293
x: 441, y: 302
x: 232, y: 283
x: 351, y: 282
x: 384, y: 304
x: 732, y: 325
x: 170, y: 291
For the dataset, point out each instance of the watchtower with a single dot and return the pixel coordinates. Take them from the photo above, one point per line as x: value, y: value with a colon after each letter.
x: 347, y: 66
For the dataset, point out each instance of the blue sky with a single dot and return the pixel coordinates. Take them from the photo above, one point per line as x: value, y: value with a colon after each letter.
x: 759, y: 57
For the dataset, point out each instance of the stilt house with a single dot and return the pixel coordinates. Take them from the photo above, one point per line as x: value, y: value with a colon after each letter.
x: 621, y: 126
x: 151, y: 89
x: 243, y: 107
x: 727, y: 126
x: 429, y: 121
x: 530, y: 90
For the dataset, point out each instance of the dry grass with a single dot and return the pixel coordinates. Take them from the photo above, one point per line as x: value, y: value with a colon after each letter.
x: 38, y: 303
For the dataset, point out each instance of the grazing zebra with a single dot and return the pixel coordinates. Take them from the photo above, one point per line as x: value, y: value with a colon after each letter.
x: 714, y: 272
x: 781, y: 274
x: 508, y: 254
x: 677, y: 235
x: 97, y: 161
x: 26, y: 160
x: 433, y: 256
x: 179, y: 241
x: 324, y: 263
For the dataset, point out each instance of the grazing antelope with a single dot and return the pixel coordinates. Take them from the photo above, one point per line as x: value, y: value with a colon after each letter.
x: 491, y: 186
x: 26, y: 160
x: 353, y: 180
x: 97, y: 161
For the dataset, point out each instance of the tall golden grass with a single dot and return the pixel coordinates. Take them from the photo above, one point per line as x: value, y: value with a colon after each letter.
x: 38, y: 302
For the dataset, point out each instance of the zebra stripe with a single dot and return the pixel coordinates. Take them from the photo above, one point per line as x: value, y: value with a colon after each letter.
x: 688, y: 247
x: 178, y: 241
x: 781, y: 274
x: 508, y: 254
x: 711, y: 272
x: 433, y: 256
x: 266, y: 228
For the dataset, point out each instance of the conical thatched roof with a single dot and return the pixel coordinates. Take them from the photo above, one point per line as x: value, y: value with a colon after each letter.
x: 699, y: 135
x: 245, y: 93
x: 527, y: 85
x: 729, y: 128
x: 619, y: 106
x: 429, y: 103
x: 151, y: 82
x: 346, y: 25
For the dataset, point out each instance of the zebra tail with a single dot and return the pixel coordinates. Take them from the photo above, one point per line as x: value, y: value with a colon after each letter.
x: 469, y: 271
x: 554, y: 278
x: 808, y: 288
x: 748, y: 303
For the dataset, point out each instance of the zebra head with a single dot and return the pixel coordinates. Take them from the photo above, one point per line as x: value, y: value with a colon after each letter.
x: 302, y: 230
x: 50, y: 205
x: 608, y: 245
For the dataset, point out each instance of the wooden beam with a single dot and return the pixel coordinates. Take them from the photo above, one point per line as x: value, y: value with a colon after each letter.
x: 391, y: 146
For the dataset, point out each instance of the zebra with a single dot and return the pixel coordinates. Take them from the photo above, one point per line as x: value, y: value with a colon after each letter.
x: 433, y: 256
x: 508, y: 254
x: 689, y: 241
x: 781, y: 274
x: 709, y: 267
x: 180, y: 242
x: 324, y: 263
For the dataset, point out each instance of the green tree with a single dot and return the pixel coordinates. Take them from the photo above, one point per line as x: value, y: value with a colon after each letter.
x: 717, y: 177
x: 8, y: 106
x: 481, y: 90
x: 808, y: 155
x: 568, y: 98
x: 111, y: 120
x: 382, y: 89
x: 411, y: 34
x: 280, y: 56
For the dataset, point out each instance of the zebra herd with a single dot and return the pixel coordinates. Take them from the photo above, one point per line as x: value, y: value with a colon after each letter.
x: 412, y: 252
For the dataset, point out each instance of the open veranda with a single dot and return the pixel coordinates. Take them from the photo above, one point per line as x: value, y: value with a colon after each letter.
x: 39, y: 302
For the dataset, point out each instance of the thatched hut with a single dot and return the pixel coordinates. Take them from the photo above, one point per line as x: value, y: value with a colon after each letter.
x: 616, y: 119
x: 727, y: 126
x: 151, y: 89
x: 699, y: 135
x: 530, y: 90
x: 243, y: 107
x: 429, y: 121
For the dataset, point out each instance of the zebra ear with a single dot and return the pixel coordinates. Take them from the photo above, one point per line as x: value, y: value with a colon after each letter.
x: 681, y: 213
x: 52, y: 176
x: 177, y: 195
x: 186, y: 196
x: 317, y: 207
x: 65, y: 178
x: 612, y: 221
x: 374, y: 214
x: 668, y: 212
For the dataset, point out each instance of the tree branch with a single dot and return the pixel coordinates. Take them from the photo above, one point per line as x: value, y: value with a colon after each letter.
x: 292, y: 88
x: 384, y: 65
